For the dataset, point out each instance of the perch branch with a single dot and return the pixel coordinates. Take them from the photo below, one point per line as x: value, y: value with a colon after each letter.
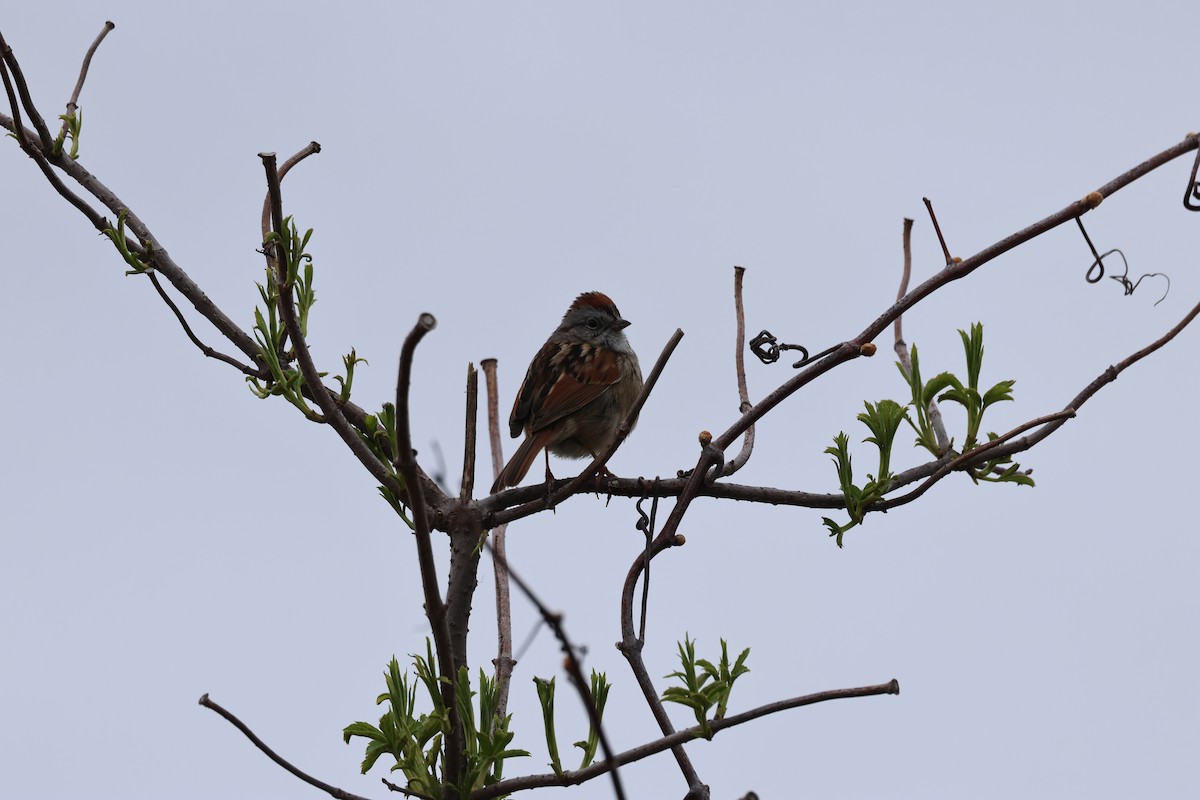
x: 261, y: 373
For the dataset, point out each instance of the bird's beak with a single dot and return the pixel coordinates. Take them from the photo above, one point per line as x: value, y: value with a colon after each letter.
x: 621, y: 324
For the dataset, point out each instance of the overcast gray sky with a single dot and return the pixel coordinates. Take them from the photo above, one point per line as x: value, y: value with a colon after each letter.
x: 166, y: 534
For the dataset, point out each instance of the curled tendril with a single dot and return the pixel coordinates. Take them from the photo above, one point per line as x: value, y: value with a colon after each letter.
x: 645, y: 522
x: 1192, y: 193
x: 768, y: 348
x: 1095, y: 271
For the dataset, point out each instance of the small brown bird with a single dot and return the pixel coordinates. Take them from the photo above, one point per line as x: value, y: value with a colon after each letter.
x: 578, y: 388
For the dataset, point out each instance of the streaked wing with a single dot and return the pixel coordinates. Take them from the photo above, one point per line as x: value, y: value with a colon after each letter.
x: 583, y: 373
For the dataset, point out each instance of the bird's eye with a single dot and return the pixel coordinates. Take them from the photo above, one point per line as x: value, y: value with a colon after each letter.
x: 593, y: 324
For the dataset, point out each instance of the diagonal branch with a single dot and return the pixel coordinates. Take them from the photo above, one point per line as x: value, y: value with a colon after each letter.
x: 205, y: 349
x: 39, y: 124
x: 333, y: 791
x: 574, y: 778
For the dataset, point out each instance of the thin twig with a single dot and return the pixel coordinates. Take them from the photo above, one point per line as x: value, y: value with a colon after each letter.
x: 406, y: 464
x: 73, y: 103
x: 468, y: 473
x: 739, y: 361
x: 32, y: 149
x: 435, y: 608
x: 1108, y: 376
x: 574, y: 778
x: 504, y: 662
x: 631, y: 645
x: 311, y: 148
x: 938, y: 229
x: 312, y: 376
x: 960, y: 461
x: 205, y: 349
x: 397, y: 788
x: 333, y: 791
x: 650, y: 527
x: 901, y: 348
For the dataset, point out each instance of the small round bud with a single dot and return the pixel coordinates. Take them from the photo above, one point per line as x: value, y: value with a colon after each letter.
x: 680, y: 540
x: 1092, y: 199
x: 866, y: 349
x: 956, y: 260
x: 705, y: 438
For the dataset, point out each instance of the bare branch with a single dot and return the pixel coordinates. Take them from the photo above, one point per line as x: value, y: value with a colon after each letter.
x: 310, y: 149
x: 30, y: 147
x: 287, y: 312
x: 953, y: 271
x: 504, y: 662
x: 435, y: 609
x: 938, y: 230
x: 743, y: 456
x: 205, y: 349
x: 901, y: 348
x: 73, y: 103
x: 396, y: 788
x: 574, y: 778
x: 35, y: 118
x: 332, y: 791
x: 468, y: 473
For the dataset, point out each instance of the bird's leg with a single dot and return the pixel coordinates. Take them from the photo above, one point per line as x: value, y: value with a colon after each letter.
x: 549, y: 478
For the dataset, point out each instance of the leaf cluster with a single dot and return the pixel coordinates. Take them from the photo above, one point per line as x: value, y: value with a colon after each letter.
x: 545, y: 690
x: 705, y: 685
x: 883, y: 420
x: 414, y: 740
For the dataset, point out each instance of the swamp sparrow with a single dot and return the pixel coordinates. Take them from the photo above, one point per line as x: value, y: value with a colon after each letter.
x: 579, y: 387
